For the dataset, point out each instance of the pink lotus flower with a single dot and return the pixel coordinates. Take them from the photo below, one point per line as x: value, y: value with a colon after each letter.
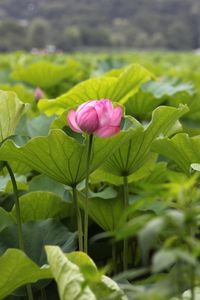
x: 38, y: 93
x: 96, y: 117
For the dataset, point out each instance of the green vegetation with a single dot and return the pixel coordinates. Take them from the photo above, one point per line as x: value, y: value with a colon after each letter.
x: 143, y: 198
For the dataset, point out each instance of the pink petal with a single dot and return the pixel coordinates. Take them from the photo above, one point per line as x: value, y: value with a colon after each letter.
x: 90, y: 103
x: 38, y: 93
x: 71, y: 118
x: 107, y: 131
x: 104, y: 109
x: 116, y: 117
x: 87, y: 119
x: 108, y: 104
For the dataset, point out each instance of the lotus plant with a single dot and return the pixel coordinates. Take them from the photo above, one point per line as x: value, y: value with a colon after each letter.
x: 98, y: 118
x: 38, y: 94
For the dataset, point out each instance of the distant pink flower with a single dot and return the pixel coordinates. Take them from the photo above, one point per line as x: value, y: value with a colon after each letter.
x: 38, y: 93
x: 96, y: 117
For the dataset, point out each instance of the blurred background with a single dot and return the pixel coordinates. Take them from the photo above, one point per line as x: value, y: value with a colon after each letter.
x: 70, y: 25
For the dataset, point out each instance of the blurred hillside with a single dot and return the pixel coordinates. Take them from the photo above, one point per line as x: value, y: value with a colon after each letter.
x: 73, y: 24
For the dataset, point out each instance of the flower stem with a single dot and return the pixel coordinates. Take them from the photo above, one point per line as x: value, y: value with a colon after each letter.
x: 114, y: 258
x: 79, y: 220
x: 18, y: 214
x: 43, y: 294
x: 19, y: 222
x: 179, y: 283
x: 192, y: 283
x: 125, y: 249
x: 89, y: 152
x: 193, y: 269
x: 29, y: 292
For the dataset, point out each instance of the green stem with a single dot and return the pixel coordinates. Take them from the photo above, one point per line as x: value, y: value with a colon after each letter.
x: 29, y: 292
x: 114, y: 258
x: 192, y: 283
x: 17, y: 207
x: 19, y: 222
x: 79, y: 220
x: 125, y: 250
x: 193, y: 269
x: 179, y: 271
x: 89, y: 152
x: 43, y: 294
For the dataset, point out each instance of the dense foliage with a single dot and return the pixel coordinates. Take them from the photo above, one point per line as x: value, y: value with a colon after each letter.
x: 144, y: 191
x: 71, y: 24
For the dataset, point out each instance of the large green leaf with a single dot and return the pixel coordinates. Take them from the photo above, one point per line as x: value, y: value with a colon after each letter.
x: 101, y: 175
x: 105, y: 212
x: 5, y: 219
x: 42, y: 205
x: 25, y: 95
x: 116, y: 89
x: 75, y: 283
x: 182, y: 149
x: 62, y: 157
x: 44, y: 183
x: 17, y: 270
x: 41, y: 73
x: 69, y: 279
x: 20, y: 170
x: 194, y: 105
x: 153, y: 93
x: 168, y: 87
x: 37, y: 126
x: 86, y: 265
x: 128, y: 83
x: 136, y: 151
x: 37, y: 234
x: 11, y: 110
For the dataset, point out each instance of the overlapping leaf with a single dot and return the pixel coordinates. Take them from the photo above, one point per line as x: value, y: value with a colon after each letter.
x: 22, y: 92
x: 105, y: 212
x: 153, y: 93
x: 16, y: 270
x: 116, y: 89
x: 5, y: 219
x: 44, y: 183
x: 101, y: 175
x: 37, y: 126
x: 42, y: 205
x: 11, y: 110
x: 62, y: 157
x: 72, y: 283
x: 134, y: 153
x: 181, y: 149
x: 68, y: 276
x: 37, y: 234
x: 42, y: 73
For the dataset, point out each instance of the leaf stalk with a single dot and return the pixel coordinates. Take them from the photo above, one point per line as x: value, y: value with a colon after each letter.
x: 19, y: 222
x: 79, y: 219
x: 125, y: 243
